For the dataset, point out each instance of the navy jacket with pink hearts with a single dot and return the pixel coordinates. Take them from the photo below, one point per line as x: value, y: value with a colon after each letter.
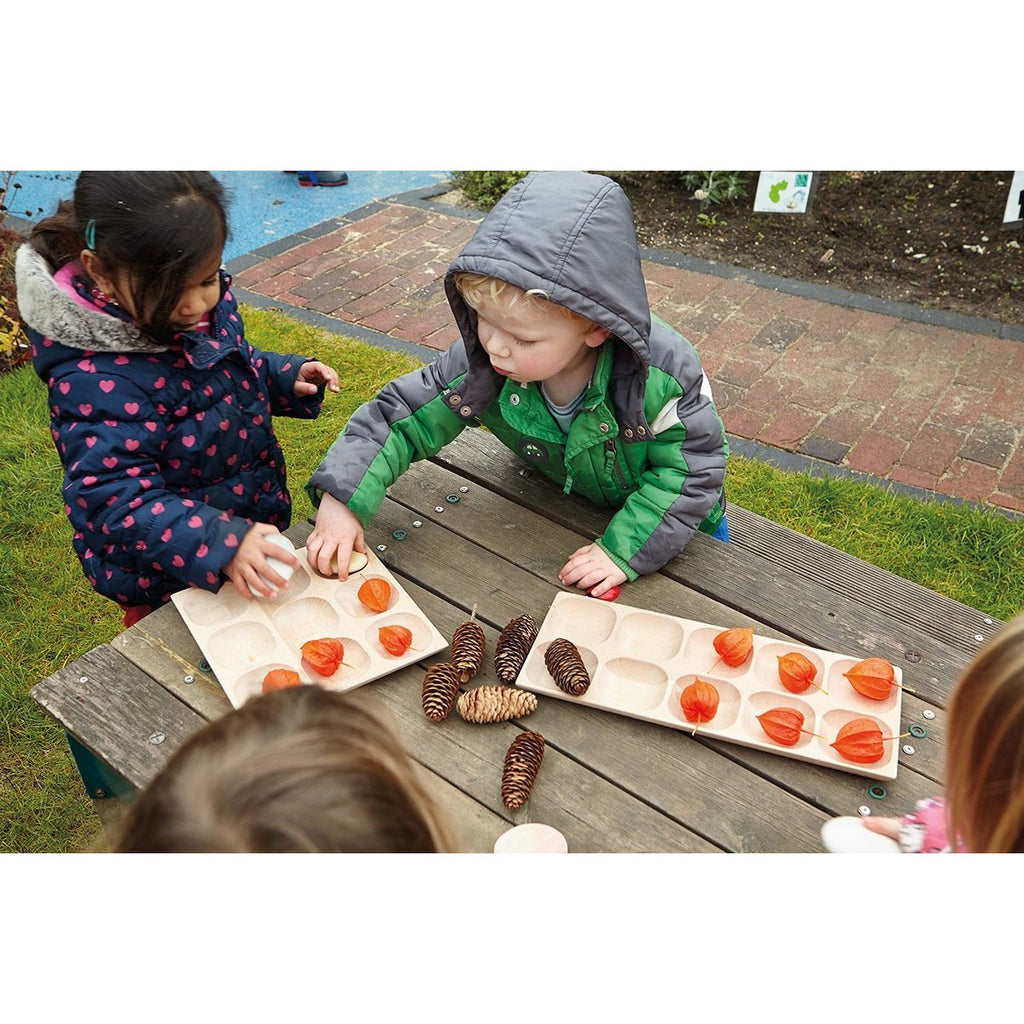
x: 169, y: 452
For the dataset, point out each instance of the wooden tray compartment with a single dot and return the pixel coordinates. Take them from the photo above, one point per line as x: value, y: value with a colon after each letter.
x: 639, y: 662
x: 243, y: 640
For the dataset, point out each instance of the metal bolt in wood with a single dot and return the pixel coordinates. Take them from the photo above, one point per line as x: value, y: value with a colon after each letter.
x: 156, y: 737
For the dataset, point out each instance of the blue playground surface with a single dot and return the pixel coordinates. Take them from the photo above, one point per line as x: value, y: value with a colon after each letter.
x: 265, y: 205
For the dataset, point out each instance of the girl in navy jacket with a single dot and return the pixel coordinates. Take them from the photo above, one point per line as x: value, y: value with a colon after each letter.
x: 161, y: 411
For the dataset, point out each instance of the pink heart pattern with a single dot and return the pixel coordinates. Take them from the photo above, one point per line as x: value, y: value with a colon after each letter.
x: 205, y: 407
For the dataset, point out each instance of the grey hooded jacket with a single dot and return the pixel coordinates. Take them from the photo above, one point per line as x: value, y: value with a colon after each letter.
x: 647, y: 441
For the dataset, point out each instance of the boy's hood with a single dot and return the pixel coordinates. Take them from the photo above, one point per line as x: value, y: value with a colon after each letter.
x: 572, y: 234
x: 57, y: 314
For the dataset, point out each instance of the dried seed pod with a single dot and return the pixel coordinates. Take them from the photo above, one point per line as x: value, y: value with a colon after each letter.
x: 514, y: 643
x: 522, y: 762
x: 468, y: 648
x: 440, y: 688
x: 566, y: 667
x: 495, y: 704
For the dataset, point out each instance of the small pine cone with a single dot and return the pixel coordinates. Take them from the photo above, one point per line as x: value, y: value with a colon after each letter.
x: 495, y: 704
x: 566, y: 667
x: 468, y: 649
x: 440, y: 688
x: 522, y: 762
x: 514, y: 643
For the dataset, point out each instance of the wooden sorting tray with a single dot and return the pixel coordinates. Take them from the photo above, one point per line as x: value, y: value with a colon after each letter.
x: 639, y: 662
x: 243, y: 640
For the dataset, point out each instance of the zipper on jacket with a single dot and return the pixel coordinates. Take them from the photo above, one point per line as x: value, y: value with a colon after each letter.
x: 611, y: 462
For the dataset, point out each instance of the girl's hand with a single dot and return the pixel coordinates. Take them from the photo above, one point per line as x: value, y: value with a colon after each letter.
x: 590, y: 569
x: 250, y: 563
x: 883, y: 826
x: 337, y: 533
x: 311, y: 375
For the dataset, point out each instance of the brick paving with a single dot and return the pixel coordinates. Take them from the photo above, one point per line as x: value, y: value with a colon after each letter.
x: 929, y: 406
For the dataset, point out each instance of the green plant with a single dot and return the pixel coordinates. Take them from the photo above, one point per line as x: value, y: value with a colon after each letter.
x: 710, y: 220
x: 14, y: 348
x: 715, y: 187
x: 485, y: 188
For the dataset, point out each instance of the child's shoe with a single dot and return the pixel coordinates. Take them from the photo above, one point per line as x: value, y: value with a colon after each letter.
x: 326, y: 178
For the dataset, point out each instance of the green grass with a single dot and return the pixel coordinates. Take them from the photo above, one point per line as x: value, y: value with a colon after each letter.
x: 50, y: 616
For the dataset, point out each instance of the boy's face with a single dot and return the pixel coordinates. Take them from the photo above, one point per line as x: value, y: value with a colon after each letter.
x: 528, y: 344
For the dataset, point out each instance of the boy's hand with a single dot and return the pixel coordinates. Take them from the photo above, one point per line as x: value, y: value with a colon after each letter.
x: 337, y: 533
x: 311, y: 375
x: 590, y: 569
x: 249, y: 570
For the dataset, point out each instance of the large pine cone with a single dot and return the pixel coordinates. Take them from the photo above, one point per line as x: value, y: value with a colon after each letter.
x: 513, y: 646
x: 468, y: 649
x: 496, y: 704
x: 440, y: 688
x: 566, y: 667
x: 522, y: 762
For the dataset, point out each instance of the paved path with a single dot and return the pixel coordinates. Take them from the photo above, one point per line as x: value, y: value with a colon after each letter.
x: 925, y: 399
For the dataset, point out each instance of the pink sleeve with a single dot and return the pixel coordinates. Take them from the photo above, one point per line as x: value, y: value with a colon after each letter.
x: 924, y: 830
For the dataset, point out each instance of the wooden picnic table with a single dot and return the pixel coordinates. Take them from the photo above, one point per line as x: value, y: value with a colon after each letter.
x: 608, y: 782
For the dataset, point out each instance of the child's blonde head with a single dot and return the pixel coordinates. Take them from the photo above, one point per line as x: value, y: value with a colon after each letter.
x: 476, y: 287
x: 300, y: 770
x: 985, y: 747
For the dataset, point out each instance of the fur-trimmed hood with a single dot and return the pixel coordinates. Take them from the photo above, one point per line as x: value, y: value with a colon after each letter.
x: 48, y: 308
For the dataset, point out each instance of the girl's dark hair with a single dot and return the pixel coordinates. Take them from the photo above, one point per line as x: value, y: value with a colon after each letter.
x: 301, y: 770
x: 158, y: 226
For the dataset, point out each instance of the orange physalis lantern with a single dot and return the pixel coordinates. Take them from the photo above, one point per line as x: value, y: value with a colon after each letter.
x: 783, y: 725
x: 324, y: 656
x: 375, y: 594
x: 280, y: 679
x: 873, y: 678
x: 395, y: 639
x: 699, y: 701
x: 796, y: 672
x: 860, y: 740
x: 733, y: 646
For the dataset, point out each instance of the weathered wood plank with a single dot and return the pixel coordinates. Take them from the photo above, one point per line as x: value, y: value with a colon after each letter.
x: 470, y: 763
x: 118, y: 713
x: 746, y: 581
x: 665, y: 767
x: 504, y: 528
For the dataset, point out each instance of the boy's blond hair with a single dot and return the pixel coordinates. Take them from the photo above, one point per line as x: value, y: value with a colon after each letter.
x: 474, y: 287
x: 301, y: 770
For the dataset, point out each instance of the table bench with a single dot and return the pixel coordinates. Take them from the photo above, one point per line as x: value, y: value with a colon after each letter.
x: 610, y: 783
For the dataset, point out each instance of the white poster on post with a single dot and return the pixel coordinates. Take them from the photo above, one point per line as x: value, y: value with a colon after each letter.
x: 783, y: 191
x: 1015, y: 200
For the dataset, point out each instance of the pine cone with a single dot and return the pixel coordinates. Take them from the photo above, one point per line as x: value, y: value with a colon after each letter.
x: 522, y: 762
x: 566, y: 667
x: 513, y: 646
x: 496, y: 704
x: 468, y: 649
x: 440, y: 688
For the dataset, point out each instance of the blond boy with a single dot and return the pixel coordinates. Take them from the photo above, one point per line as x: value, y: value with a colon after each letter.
x: 561, y: 360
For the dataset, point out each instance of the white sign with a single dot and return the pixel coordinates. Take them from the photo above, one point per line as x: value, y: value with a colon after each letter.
x: 1015, y: 200
x: 783, y: 191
